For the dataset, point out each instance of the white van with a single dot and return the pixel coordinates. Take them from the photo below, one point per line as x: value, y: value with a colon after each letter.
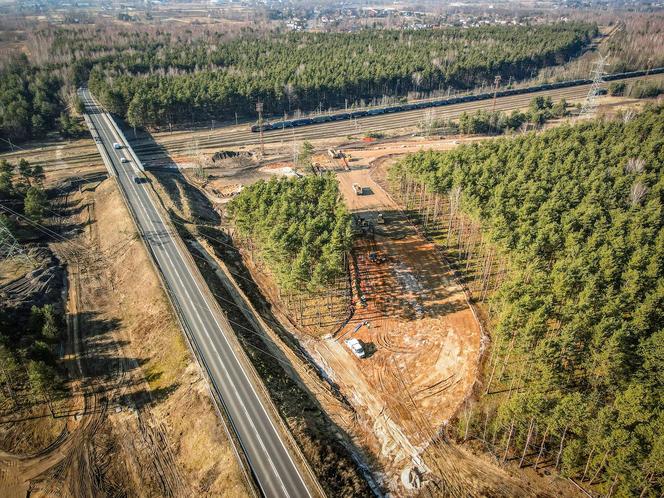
x: 356, y: 347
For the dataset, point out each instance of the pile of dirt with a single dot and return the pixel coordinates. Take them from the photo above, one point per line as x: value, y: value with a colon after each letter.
x: 229, y: 154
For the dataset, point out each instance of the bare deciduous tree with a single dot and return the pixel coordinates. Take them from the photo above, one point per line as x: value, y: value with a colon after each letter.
x: 637, y: 193
x: 635, y: 165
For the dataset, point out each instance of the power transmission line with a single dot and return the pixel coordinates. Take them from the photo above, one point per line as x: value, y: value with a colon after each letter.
x: 11, y: 248
x: 597, y: 73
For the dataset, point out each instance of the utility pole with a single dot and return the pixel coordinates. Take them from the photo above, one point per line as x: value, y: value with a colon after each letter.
x: 259, y: 109
x: 496, y: 82
x: 597, y: 73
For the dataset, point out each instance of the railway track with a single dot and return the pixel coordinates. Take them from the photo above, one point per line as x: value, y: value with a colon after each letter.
x: 233, y: 136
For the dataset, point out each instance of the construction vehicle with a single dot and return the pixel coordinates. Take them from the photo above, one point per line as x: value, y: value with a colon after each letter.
x: 356, y: 347
x: 339, y: 154
x: 376, y: 258
x: 358, y: 190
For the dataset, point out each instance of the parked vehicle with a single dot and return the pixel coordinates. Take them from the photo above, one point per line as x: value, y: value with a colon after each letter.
x: 357, y: 189
x: 356, y: 347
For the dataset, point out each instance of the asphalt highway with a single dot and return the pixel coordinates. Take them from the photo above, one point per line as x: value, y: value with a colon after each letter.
x: 269, y: 457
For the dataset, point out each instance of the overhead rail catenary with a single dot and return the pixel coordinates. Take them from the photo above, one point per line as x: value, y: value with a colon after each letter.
x: 290, y: 123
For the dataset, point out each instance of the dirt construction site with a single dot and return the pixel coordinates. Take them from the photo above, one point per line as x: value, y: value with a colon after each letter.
x: 140, y: 421
x: 137, y: 420
x: 421, y: 340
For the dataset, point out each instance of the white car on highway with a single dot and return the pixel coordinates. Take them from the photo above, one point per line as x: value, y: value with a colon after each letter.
x: 356, y: 347
x: 116, y: 145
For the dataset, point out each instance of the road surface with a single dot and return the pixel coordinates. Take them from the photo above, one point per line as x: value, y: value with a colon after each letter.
x: 270, y: 459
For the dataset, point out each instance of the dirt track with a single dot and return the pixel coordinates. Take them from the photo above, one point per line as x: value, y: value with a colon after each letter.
x: 421, y: 338
x: 141, y: 422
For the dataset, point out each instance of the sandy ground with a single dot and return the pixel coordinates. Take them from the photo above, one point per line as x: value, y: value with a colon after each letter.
x: 421, y: 338
x: 423, y: 347
x: 145, y: 425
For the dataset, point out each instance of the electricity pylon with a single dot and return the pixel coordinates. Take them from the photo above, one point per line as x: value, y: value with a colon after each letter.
x: 597, y: 73
x: 11, y: 248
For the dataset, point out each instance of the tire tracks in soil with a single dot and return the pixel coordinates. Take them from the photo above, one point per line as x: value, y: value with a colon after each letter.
x: 76, y: 464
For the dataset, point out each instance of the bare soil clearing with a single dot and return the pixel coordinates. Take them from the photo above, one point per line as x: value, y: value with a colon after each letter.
x: 421, y: 338
x: 423, y: 346
x: 145, y: 425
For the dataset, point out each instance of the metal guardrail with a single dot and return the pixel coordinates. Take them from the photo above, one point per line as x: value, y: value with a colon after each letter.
x: 191, y: 342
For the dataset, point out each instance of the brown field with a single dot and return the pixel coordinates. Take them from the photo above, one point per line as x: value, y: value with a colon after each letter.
x: 139, y: 420
x: 424, y: 347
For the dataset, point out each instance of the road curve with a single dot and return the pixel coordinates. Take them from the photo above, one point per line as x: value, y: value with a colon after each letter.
x: 269, y: 458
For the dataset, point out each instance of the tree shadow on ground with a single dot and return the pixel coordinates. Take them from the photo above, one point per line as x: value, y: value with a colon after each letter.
x: 316, y: 432
x: 157, y: 160
x: 293, y: 399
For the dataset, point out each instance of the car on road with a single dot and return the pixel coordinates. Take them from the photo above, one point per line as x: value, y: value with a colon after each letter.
x: 138, y: 179
x: 356, y: 347
x: 116, y: 145
x: 124, y: 160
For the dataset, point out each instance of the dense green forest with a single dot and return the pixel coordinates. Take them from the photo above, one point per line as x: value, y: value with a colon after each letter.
x: 158, y: 79
x: 576, y: 371
x: 299, y: 227
x: 29, y: 103
x: 32, y: 103
x: 160, y: 83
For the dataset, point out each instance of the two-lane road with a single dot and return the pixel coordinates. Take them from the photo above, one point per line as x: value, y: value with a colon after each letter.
x: 210, y: 332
